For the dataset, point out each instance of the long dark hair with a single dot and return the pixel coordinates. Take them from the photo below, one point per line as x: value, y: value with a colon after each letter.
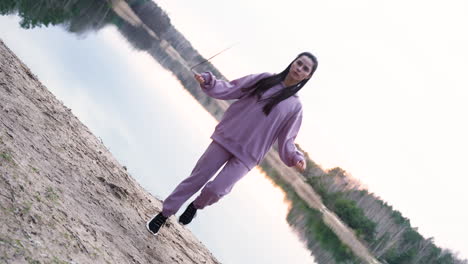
x: 266, y: 83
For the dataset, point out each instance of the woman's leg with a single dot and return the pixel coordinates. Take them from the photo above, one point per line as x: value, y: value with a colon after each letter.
x: 232, y: 172
x: 208, y: 164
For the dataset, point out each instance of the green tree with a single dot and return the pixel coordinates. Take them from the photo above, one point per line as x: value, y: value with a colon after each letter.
x: 354, y: 216
x: 38, y: 13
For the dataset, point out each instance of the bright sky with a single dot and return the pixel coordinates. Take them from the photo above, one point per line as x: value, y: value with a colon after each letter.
x: 387, y: 103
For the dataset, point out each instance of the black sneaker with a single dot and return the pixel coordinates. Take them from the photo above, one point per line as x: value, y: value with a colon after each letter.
x: 188, y: 214
x: 156, y: 223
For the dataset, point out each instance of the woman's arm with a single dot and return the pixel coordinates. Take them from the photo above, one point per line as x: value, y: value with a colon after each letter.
x: 288, y: 152
x: 220, y: 89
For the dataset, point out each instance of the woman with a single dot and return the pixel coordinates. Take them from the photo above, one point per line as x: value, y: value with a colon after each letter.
x: 267, y: 110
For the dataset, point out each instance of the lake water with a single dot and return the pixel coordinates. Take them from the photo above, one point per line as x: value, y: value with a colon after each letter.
x: 156, y: 129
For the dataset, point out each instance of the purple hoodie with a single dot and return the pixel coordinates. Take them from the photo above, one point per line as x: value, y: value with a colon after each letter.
x: 245, y: 130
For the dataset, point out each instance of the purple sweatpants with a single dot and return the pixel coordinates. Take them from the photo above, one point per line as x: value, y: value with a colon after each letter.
x: 208, y: 164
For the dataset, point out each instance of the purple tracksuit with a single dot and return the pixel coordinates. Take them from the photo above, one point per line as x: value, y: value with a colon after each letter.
x: 241, y: 140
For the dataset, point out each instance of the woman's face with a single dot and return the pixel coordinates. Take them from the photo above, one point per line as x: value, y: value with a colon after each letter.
x: 301, y: 68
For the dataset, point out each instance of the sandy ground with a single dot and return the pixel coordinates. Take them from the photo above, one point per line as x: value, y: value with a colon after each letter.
x: 63, y: 196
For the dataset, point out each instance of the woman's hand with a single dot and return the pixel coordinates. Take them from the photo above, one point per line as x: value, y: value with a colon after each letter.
x: 199, y: 78
x: 301, y: 165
